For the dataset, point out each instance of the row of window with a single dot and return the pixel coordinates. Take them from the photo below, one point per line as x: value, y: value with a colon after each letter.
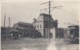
x: 38, y: 26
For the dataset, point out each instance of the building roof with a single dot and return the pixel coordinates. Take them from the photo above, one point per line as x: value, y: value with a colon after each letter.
x: 23, y: 23
x: 73, y: 26
x: 45, y: 17
x: 45, y: 14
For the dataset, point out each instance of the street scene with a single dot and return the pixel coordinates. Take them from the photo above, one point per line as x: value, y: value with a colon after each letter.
x: 27, y: 26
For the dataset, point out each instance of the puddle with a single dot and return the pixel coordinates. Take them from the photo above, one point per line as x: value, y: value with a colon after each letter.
x: 24, y: 48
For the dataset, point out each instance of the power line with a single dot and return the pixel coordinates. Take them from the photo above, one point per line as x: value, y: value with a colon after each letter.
x: 51, y: 7
x: 48, y: 6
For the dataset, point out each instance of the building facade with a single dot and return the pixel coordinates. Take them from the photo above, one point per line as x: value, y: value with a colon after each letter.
x: 43, y: 26
x: 46, y: 25
x: 5, y: 32
x: 26, y: 30
x: 61, y: 32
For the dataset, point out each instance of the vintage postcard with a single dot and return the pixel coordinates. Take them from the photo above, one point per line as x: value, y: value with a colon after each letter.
x: 40, y: 24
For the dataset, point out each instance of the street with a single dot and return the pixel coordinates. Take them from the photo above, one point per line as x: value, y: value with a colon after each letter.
x: 36, y: 44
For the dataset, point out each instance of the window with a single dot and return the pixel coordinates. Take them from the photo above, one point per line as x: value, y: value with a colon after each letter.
x: 40, y: 26
x: 37, y: 26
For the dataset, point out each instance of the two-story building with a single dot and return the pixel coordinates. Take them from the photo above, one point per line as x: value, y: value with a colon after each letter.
x: 46, y: 25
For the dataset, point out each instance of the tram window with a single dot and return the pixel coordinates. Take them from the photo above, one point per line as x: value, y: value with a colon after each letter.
x: 71, y: 31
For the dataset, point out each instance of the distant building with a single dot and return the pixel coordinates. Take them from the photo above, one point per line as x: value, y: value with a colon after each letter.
x: 61, y: 32
x: 23, y: 26
x: 44, y: 23
x: 5, y: 32
x: 26, y: 29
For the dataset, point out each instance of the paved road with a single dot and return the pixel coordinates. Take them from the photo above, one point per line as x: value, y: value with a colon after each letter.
x: 36, y: 44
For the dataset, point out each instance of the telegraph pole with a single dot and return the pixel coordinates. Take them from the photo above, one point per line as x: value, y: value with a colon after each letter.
x: 4, y: 20
x: 9, y: 21
x: 49, y: 11
x: 49, y: 19
x: 49, y: 7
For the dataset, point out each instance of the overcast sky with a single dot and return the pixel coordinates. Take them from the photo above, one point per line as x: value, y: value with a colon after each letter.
x: 26, y: 10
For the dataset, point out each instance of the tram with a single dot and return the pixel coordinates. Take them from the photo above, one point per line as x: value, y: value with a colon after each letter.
x: 74, y: 34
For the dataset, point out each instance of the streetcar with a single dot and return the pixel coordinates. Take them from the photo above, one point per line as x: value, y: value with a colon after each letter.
x: 74, y: 34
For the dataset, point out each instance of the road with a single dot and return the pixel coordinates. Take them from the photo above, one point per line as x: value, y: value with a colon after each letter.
x: 36, y: 44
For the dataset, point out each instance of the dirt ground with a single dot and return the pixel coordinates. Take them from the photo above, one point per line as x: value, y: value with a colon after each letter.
x: 36, y: 44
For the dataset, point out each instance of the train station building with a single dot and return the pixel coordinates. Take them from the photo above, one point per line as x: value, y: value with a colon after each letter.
x: 46, y: 25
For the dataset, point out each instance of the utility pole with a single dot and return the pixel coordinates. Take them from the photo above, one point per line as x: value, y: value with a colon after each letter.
x: 49, y: 19
x: 9, y: 21
x: 49, y: 7
x: 4, y: 20
x: 49, y: 11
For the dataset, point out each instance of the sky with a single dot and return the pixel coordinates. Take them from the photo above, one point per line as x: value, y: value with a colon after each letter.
x: 27, y: 10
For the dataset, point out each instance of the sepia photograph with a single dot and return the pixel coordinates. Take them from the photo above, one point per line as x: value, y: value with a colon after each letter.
x: 40, y: 24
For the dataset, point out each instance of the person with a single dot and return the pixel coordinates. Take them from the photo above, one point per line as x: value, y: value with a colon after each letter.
x: 15, y: 35
x: 11, y: 35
